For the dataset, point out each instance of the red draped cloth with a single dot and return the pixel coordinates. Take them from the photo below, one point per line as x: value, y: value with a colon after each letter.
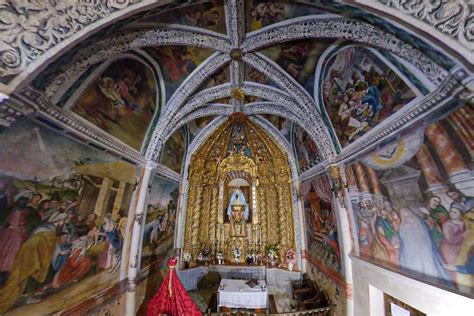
x: 172, y: 299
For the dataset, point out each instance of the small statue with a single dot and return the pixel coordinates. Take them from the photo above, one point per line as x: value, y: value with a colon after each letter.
x: 237, y: 253
x: 220, y: 258
x: 290, y: 258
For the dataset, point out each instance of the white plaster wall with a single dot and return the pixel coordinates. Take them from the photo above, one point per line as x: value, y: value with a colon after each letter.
x: 371, y: 281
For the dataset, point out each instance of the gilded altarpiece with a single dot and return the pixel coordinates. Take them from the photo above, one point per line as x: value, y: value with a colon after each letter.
x: 239, y: 194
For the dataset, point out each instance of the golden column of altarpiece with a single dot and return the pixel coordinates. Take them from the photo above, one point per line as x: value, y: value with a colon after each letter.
x: 239, y: 152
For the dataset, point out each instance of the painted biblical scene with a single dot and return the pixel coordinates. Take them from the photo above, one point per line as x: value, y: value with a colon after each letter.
x: 160, y: 220
x: 299, y: 59
x: 208, y: 15
x: 263, y: 13
x: 359, y: 90
x: 197, y: 125
x: 62, y: 219
x: 175, y: 150
x: 176, y: 63
x: 415, y: 206
x: 252, y: 74
x: 321, y: 226
x: 282, y: 124
x: 221, y: 76
x: 122, y: 101
x: 306, y: 150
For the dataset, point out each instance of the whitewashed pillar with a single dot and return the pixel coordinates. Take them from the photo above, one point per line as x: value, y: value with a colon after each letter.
x: 130, y: 308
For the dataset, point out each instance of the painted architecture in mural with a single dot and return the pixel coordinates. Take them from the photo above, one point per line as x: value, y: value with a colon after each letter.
x: 321, y: 225
x: 62, y: 217
x: 359, y: 90
x: 122, y: 100
x: 160, y: 221
x: 306, y: 150
x: 174, y: 150
x: 414, y: 202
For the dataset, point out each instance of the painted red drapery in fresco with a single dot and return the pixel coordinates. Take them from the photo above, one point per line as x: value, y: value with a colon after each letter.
x: 172, y: 299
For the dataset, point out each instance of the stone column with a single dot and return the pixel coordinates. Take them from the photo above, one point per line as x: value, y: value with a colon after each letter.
x: 102, y: 198
x: 345, y: 240
x: 463, y: 123
x: 361, y: 180
x: 430, y: 171
x: 452, y: 160
x: 118, y: 200
x: 136, y: 240
x: 374, y: 183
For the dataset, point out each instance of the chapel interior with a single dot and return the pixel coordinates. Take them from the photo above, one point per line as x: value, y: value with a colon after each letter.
x: 237, y: 157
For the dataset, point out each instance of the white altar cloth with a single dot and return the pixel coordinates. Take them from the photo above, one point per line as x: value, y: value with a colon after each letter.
x: 237, y: 294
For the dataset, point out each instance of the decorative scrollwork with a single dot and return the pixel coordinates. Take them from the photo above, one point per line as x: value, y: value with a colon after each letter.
x: 118, y: 44
x: 453, y: 18
x: 330, y: 26
x: 30, y: 28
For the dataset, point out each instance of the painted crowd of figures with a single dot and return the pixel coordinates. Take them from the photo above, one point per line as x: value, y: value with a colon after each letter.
x: 46, y: 244
x: 360, y: 91
x: 434, y: 240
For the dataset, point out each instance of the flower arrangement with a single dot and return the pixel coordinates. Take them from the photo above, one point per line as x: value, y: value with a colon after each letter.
x: 203, y: 255
x: 272, y: 252
x: 187, y: 257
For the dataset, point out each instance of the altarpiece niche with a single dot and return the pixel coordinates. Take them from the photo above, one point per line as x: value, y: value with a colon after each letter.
x: 239, y: 196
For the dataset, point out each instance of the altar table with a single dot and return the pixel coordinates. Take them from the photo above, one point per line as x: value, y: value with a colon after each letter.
x: 237, y: 294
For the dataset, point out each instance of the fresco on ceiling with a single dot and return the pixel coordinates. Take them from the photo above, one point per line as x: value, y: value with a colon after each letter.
x: 197, y: 125
x: 176, y: 63
x: 359, y: 90
x: 416, y: 209
x: 208, y: 15
x: 62, y: 217
x: 263, y: 13
x: 321, y: 225
x: 282, y: 124
x: 175, y: 150
x: 306, y: 150
x: 299, y: 59
x: 122, y: 101
x: 160, y: 221
x: 252, y: 74
x: 221, y: 76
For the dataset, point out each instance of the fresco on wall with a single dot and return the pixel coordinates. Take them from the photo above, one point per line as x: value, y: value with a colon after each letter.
x: 263, y: 13
x: 321, y: 226
x: 160, y: 220
x: 416, y: 209
x: 208, y: 15
x: 299, y: 59
x: 174, y: 151
x: 282, y: 124
x: 305, y: 148
x: 176, y: 63
x: 122, y: 101
x: 359, y: 90
x: 63, y: 209
x: 197, y: 125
